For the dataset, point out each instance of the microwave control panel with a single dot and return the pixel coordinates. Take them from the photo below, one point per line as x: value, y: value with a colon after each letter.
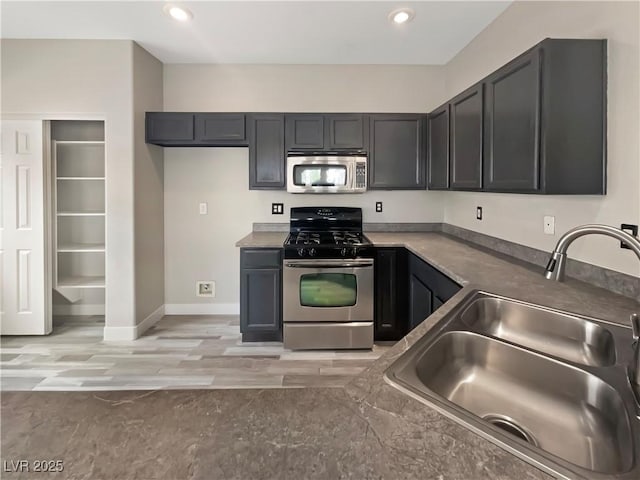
x: 361, y: 175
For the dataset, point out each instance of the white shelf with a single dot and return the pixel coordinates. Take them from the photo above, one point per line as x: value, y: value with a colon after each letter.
x: 81, y: 247
x: 82, y: 282
x: 79, y: 142
x: 80, y: 178
x: 81, y: 214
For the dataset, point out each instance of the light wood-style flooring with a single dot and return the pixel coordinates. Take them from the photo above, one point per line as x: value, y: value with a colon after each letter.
x: 179, y: 352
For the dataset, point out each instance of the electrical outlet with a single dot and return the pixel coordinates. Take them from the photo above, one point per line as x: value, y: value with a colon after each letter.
x: 631, y: 230
x: 379, y: 207
x: 277, y: 208
x: 204, y: 208
x: 479, y: 213
x: 206, y: 288
x: 549, y: 225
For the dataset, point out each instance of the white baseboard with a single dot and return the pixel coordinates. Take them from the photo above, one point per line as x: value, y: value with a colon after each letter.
x: 82, y: 309
x: 148, y: 322
x: 116, y: 334
x: 202, y: 309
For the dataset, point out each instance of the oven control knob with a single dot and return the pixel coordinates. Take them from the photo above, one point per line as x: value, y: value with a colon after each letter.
x: 312, y: 252
x: 343, y: 252
x: 354, y: 252
x: 302, y: 252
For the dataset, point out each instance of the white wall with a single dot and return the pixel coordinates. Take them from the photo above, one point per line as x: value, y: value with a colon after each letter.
x: 202, y: 247
x: 519, y: 217
x: 60, y: 78
x: 148, y: 188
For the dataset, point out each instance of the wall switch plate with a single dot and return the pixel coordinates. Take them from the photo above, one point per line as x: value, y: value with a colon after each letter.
x: 631, y: 230
x: 206, y: 288
x: 549, y: 225
x: 379, y: 207
x: 277, y: 208
x: 204, y: 208
x: 479, y: 213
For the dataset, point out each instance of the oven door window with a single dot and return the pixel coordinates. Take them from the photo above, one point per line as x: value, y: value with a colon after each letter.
x: 320, y: 175
x: 328, y: 290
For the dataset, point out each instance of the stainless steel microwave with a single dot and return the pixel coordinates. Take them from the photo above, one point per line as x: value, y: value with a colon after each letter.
x: 326, y: 173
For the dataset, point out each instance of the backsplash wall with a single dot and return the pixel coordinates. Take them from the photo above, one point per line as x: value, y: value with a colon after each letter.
x: 202, y: 247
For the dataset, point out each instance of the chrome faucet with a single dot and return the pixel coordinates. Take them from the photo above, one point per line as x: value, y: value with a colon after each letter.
x: 635, y: 367
x: 557, y: 262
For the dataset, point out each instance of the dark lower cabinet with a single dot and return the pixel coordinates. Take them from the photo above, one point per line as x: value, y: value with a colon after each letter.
x: 397, y: 151
x: 390, y: 309
x: 261, y: 294
x: 428, y: 290
x: 420, y: 300
x: 266, y: 152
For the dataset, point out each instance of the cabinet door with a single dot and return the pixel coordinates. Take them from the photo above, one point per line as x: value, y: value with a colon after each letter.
x: 397, y: 152
x: 438, y: 148
x: 305, y: 132
x: 345, y: 132
x: 167, y: 128
x: 420, y: 300
x: 220, y: 128
x: 466, y: 140
x: 260, y: 304
x: 261, y: 294
x: 266, y: 152
x: 512, y: 126
x: 390, y: 294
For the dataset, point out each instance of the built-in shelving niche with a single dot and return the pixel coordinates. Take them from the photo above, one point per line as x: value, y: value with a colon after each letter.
x: 79, y: 211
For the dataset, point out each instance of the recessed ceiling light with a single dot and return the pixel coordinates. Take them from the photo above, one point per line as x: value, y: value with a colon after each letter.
x: 181, y: 14
x: 401, y: 15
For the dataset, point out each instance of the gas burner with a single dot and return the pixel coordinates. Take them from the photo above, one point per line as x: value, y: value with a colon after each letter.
x: 334, y: 232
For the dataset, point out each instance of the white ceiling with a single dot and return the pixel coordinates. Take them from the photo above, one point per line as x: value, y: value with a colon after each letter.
x: 262, y: 32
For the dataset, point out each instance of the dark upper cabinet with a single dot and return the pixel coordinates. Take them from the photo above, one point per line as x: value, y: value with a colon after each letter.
x: 545, y: 120
x: 390, y: 315
x: 512, y: 129
x: 326, y: 132
x: 305, y: 131
x: 221, y: 128
x: 176, y: 129
x: 346, y: 132
x: 397, y: 151
x: 261, y: 294
x: 169, y: 128
x: 266, y: 152
x: 438, y: 148
x: 466, y: 139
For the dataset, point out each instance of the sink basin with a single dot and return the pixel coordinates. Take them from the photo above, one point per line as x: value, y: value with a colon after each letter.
x: 563, y: 410
x: 558, y: 398
x: 548, y: 331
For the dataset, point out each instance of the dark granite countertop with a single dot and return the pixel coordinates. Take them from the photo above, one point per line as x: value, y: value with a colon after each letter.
x: 368, y: 430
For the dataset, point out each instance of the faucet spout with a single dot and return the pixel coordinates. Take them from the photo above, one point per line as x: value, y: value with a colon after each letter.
x: 557, y: 263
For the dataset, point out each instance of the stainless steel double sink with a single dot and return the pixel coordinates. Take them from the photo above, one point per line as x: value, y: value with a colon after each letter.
x: 549, y: 386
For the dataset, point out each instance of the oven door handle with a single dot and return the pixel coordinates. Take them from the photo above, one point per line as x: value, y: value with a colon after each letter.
x: 330, y: 265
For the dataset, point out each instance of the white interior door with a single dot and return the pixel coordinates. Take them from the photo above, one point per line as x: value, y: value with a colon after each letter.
x: 22, y: 233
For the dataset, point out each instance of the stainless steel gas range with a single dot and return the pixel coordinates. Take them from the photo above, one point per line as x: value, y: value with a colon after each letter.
x: 328, y: 280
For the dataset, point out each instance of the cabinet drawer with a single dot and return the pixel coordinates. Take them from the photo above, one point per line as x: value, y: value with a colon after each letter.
x: 261, y: 258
